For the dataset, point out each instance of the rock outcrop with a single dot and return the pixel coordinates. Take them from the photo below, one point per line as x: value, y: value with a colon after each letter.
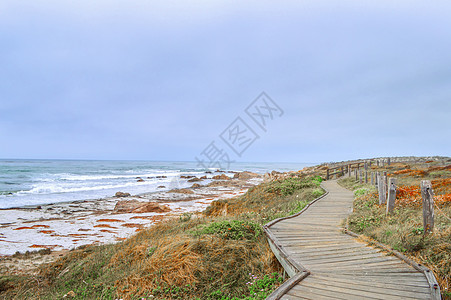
x: 182, y: 191
x: 121, y: 195
x: 194, y: 179
x: 135, y: 206
x: 221, y: 177
x: 245, y: 175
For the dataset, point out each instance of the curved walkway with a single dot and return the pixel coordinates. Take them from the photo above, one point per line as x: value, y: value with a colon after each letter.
x: 336, y: 265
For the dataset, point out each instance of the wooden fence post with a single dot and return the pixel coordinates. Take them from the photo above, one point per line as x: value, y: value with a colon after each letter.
x: 366, y: 176
x: 360, y: 176
x: 391, y: 195
x: 428, y: 206
x: 327, y: 174
x: 342, y: 170
x: 372, y: 178
x: 382, y: 188
x: 388, y: 161
x: 356, y: 175
x: 349, y: 170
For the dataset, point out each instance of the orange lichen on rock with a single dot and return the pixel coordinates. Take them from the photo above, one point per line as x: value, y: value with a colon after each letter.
x: 44, y: 246
x: 40, y: 226
x: 47, y: 231
x: 109, y: 220
x: 105, y: 225
x: 106, y: 230
x: 151, y: 218
x: 22, y: 228
x: 132, y: 225
x: 79, y: 235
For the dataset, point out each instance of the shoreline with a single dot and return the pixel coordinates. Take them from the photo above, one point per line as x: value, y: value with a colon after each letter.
x: 67, y: 225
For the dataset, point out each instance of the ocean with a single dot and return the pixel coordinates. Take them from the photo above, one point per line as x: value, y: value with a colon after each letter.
x: 38, y: 182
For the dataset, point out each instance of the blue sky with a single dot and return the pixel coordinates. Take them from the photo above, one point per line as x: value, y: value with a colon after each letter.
x: 160, y: 80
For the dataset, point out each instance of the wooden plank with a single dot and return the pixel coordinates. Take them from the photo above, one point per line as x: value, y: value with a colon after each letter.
x: 311, y: 291
x: 387, y: 282
x: 331, y: 291
x: 395, y: 290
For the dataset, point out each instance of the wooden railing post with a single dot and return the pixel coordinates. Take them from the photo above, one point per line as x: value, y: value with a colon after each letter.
x: 356, y: 175
x: 360, y: 176
x: 428, y: 206
x: 372, y: 178
x: 366, y: 176
x: 391, y: 195
x: 386, y: 180
x: 327, y: 174
x: 382, y: 188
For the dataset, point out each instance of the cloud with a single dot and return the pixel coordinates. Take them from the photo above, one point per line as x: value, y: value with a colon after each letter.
x: 162, y: 79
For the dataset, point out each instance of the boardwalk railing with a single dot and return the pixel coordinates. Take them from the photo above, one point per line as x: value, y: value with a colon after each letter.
x: 297, y: 272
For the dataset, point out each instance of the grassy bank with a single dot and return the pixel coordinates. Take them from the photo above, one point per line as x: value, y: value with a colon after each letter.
x: 403, y: 229
x: 221, y: 254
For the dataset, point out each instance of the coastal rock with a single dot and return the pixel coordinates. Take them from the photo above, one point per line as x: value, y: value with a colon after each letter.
x: 224, y: 183
x: 121, y: 194
x: 203, y: 177
x: 221, y: 177
x: 245, y: 175
x: 196, y: 185
x: 161, y: 176
x: 135, y: 206
x: 161, y: 186
x: 194, y: 179
x: 182, y: 191
x: 139, y: 179
x: 152, y: 207
x: 125, y: 206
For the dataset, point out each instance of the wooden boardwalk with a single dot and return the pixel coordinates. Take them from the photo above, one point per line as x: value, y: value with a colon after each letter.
x: 333, y: 265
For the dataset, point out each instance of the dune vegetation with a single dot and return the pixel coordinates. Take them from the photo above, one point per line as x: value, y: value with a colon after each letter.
x: 219, y: 254
x: 403, y: 229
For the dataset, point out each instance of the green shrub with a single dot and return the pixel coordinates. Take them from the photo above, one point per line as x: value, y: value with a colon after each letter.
x: 361, y: 192
x: 231, y: 230
x: 289, y: 185
x: 317, y: 192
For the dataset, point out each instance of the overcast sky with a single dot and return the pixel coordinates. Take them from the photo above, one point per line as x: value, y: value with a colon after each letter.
x: 161, y: 80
